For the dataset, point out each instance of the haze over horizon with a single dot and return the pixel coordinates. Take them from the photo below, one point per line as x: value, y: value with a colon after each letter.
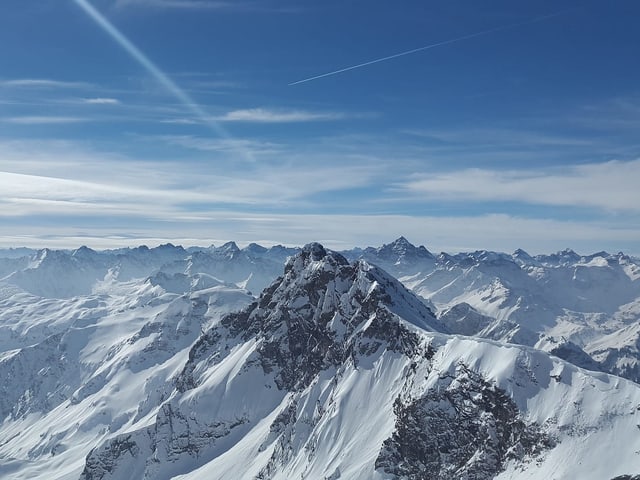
x: 150, y: 121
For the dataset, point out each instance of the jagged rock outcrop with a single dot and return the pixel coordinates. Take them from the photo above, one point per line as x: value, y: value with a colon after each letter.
x: 463, y: 428
x: 321, y: 312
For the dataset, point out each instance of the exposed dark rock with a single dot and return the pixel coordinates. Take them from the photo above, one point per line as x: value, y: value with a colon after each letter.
x: 281, y: 429
x: 103, y: 460
x: 571, y: 352
x: 611, y: 361
x: 463, y: 319
x: 462, y: 428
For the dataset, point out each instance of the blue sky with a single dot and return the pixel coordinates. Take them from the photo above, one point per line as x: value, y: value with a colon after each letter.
x: 186, y: 127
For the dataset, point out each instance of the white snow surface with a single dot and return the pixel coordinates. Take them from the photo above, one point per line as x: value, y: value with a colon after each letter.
x: 543, y: 301
x: 81, y: 369
x: 91, y: 345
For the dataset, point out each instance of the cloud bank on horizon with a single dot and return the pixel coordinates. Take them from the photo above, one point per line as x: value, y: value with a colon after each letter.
x: 526, y: 137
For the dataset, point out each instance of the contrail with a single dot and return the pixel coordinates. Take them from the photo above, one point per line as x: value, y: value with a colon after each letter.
x: 158, y: 74
x: 433, y: 45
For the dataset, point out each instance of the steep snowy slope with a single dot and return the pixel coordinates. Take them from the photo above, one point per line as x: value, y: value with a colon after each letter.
x: 66, y: 274
x: 400, y: 257
x: 513, y: 286
x: 58, y: 274
x: 79, y: 369
x: 564, y: 303
x: 251, y: 268
x: 337, y: 371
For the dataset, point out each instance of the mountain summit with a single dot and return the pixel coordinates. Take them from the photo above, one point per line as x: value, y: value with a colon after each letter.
x: 400, y: 256
x: 319, y: 314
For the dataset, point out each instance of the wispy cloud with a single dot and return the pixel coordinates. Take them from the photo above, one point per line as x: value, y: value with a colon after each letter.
x: 214, y: 84
x: 65, y: 174
x: 263, y: 115
x: 499, y: 137
x: 266, y: 115
x: 167, y: 195
x: 101, y: 101
x: 180, y: 121
x: 76, y: 191
x: 609, y: 185
x: 42, y: 120
x: 225, y: 145
x: 613, y: 116
x: 43, y: 83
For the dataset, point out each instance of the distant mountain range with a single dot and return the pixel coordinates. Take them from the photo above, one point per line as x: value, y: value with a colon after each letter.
x: 279, y: 363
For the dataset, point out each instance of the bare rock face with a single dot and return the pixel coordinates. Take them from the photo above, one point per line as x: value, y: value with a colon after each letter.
x: 463, y: 428
x: 104, y: 461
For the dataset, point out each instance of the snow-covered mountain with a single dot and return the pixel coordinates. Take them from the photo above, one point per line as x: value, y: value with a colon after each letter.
x: 583, y: 308
x: 336, y: 370
x: 65, y: 274
x: 75, y: 370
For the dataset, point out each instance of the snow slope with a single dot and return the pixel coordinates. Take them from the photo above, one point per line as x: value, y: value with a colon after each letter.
x: 65, y: 274
x: 106, y: 361
x: 562, y: 303
x: 336, y: 370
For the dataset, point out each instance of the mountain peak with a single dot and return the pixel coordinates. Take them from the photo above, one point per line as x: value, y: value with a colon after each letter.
x: 401, y: 240
x: 400, y: 245
x: 322, y: 300
x: 47, y: 256
x: 401, y: 251
x: 569, y: 253
x: 169, y: 247
x: 315, y: 250
x: 563, y: 257
x: 312, y: 254
x: 255, y: 248
x: 83, y: 249
x: 229, y: 247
